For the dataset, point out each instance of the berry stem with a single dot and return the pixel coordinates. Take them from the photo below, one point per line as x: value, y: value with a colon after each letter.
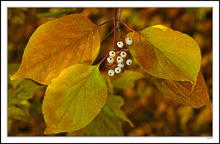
x: 114, y: 30
x: 125, y: 25
x: 103, y: 59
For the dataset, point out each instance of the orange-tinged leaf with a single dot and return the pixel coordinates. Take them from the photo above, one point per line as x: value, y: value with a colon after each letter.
x: 180, y: 91
x: 74, y: 98
x: 165, y: 53
x: 58, y: 44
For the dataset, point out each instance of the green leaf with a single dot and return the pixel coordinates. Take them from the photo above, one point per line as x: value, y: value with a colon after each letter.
x: 12, y: 68
x: 109, y: 83
x: 127, y: 79
x: 27, y: 89
x: 24, y: 91
x: 108, y: 121
x: 18, y: 106
x: 165, y: 53
x: 105, y: 124
x: 181, y: 91
x: 74, y: 98
x: 19, y: 113
x: 115, y: 103
x: 58, y: 44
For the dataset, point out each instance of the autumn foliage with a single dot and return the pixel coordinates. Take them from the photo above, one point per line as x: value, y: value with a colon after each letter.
x: 66, y: 57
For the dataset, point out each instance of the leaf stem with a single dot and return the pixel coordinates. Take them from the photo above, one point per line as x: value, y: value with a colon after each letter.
x: 105, y: 22
x: 125, y: 25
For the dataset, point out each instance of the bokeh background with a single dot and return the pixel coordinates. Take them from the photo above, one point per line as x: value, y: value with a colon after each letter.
x: 149, y: 110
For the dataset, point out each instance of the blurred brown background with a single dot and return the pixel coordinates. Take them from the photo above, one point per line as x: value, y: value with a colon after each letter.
x: 150, y: 111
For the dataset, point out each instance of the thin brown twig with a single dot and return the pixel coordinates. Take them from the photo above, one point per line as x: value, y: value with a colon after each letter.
x: 108, y: 34
x: 114, y: 30
x: 115, y: 13
x: 118, y: 23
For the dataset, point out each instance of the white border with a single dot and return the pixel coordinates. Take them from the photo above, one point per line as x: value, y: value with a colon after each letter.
x: 110, y: 4
x: 215, y: 84
x: 97, y: 4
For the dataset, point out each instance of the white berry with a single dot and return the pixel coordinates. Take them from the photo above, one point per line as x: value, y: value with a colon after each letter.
x: 111, y: 72
x: 112, y: 53
x: 119, y: 59
x: 123, y: 54
x: 129, y: 41
x: 120, y: 44
x: 121, y: 65
x: 117, y: 70
x: 110, y: 59
x: 129, y: 62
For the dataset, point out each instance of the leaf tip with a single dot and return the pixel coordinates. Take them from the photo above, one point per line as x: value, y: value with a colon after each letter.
x: 209, y: 105
x: 47, y: 131
x: 14, y: 77
x: 131, y: 124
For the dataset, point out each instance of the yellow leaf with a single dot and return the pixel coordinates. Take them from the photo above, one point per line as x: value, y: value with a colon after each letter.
x: 57, y: 45
x: 181, y: 91
x: 74, y: 98
x: 79, y: 132
x: 165, y: 53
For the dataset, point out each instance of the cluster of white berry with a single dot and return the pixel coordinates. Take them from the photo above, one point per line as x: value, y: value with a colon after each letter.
x: 118, y: 58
